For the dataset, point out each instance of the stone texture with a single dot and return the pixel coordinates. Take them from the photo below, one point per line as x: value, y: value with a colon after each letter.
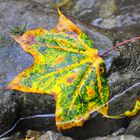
x: 50, y: 135
x: 96, y: 126
x: 122, y: 137
x: 122, y: 65
x: 8, y: 110
x: 134, y: 127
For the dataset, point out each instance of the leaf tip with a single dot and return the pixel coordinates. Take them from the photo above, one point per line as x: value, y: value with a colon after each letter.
x: 60, y: 13
x: 16, y: 38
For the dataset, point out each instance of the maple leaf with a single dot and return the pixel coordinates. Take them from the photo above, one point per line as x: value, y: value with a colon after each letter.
x: 67, y: 66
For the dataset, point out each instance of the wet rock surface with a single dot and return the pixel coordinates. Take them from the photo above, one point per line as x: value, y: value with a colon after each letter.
x: 123, y: 137
x: 96, y: 126
x: 8, y: 110
x: 122, y: 64
x: 50, y: 135
x: 119, y: 15
x: 134, y: 126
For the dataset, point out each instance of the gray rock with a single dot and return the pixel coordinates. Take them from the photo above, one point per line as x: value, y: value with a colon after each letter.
x: 134, y: 127
x: 125, y: 81
x: 96, y: 126
x: 123, y: 67
x: 122, y: 137
x: 15, y: 108
x: 120, y: 15
x: 50, y: 135
x: 8, y: 110
x: 115, y: 15
x: 8, y: 138
x: 41, y: 1
x: 118, y: 132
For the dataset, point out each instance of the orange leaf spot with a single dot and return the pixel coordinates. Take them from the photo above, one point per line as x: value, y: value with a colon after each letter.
x: 90, y: 91
x: 59, y: 60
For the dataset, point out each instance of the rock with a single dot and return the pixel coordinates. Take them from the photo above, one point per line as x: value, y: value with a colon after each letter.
x: 134, y: 126
x: 15, y: 106
x: 8, y: 110
x: 83, y: 9
x: 124, y: 80
x: 50, y: 135
x: 54, y: 3
x: 96, y: 126
x: 119, y: 132
x: 121, y: 15
x: 122, y: 137
x: 37, y: 135
x: 41, y: 1
x: 14, y: 60
x: 130, y: 95
x: 8, y: 138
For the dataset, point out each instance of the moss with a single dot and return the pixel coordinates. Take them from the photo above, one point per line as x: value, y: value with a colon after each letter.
x: 18, y: 30
x: 4, y: 41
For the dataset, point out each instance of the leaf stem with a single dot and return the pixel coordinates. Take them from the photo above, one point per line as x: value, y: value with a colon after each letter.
x: 120, y: 44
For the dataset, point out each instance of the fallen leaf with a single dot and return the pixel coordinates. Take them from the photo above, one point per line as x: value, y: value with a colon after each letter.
x: 67, y: 66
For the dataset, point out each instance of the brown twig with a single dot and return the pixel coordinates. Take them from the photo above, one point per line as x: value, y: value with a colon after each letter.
x: 120, y: 44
